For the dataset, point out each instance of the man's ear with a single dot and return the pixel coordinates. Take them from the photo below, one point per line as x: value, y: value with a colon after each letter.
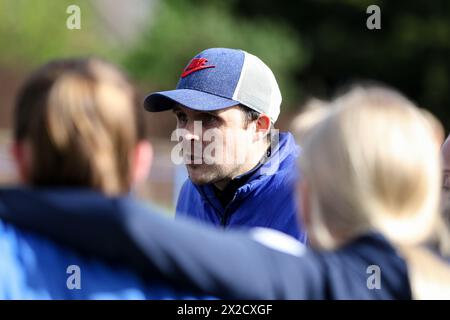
x: 21, y: 153
x: 262, y: 126
x: 142, y: 161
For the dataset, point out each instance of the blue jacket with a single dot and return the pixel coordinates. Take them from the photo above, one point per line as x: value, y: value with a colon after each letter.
x: 34, y: 267
x: 267, y: 199
x: 226, y: 264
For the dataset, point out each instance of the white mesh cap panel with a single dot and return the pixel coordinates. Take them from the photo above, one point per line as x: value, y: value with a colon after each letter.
x: 257, y: 88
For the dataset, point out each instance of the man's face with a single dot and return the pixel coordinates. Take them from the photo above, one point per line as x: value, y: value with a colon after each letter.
x: 446, y: 181
x: 215, y: 144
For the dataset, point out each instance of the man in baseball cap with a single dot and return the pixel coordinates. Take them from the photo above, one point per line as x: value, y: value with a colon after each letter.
x: 241, y: 173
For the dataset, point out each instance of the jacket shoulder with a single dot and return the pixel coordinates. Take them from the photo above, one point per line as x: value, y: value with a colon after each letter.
x: 188, y: 199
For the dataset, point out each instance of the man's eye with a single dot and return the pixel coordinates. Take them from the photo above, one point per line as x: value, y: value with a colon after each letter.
x: 181, y: 117
x: 210, y: 119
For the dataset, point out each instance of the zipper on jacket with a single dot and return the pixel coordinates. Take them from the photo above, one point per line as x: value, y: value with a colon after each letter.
x: 224, y: 217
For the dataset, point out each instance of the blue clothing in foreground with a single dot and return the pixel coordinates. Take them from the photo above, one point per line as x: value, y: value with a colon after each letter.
x: 34, y: 267
x: 226, y: 264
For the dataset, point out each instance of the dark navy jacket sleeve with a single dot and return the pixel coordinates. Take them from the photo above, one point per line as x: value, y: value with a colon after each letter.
x: 225, y: 264
x: 125, y: 232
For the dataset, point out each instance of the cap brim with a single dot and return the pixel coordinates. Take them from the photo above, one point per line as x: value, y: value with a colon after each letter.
x: 192, y: 99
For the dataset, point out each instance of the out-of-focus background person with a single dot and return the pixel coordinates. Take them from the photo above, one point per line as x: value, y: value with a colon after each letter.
x: 373, y: 165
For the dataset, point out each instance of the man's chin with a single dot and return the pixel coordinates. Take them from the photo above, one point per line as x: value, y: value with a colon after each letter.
x: 197, y: 174
x: 201, y: 174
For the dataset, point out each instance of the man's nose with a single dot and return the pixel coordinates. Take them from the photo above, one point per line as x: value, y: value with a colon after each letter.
x: 192, y: 132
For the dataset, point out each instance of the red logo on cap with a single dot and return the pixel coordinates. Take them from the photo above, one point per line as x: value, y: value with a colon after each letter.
x: 195, y: 65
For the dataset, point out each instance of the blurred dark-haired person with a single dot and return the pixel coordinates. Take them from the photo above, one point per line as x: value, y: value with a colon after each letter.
x: 79, y: 145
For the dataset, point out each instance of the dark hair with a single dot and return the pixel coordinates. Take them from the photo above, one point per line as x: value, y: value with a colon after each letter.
x: 250, y: 115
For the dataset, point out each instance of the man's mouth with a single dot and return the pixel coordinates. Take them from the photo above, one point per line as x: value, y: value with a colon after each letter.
x: 192, y: 159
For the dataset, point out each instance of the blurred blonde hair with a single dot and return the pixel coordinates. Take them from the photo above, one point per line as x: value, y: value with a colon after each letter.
x: 374, y: 163
x: 312, y: 112
x: 80, y: 119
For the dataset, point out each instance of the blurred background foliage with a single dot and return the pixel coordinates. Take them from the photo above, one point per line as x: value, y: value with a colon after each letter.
x: 313, y: 46
x: 32, y: 32
x: 411, y: 51
x: 184, y: 28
